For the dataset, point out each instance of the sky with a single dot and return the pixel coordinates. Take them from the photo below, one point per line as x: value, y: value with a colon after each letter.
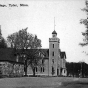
x: 39, y: 15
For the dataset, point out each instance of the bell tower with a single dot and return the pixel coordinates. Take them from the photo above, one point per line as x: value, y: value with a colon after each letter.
x: 53, y: 54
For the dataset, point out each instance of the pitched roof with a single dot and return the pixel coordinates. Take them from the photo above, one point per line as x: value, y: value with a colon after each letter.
x: 9, y: 54
x: 6, y: 54
x: 45, y: 52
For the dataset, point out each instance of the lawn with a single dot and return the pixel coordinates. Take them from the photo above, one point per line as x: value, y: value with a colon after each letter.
x: 44, y: 82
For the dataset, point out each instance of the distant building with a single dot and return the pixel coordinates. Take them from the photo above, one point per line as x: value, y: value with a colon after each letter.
x: 53, y: 60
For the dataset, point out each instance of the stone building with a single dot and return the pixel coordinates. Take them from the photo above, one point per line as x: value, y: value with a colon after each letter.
x: 53, y: 61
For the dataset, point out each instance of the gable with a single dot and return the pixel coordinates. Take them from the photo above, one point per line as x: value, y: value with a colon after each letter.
x: 62, y: 55
x: 45, y: 52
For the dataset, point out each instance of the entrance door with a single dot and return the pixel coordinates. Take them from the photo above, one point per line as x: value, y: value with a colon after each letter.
x: 57, y: 72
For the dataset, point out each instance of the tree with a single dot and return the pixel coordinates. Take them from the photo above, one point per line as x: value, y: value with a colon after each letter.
x: 19, y: 40
x: 24, y: 40
x: 85, y: 22
x: 79, y: 69
x: 34, y: 58
x: 3, y: 43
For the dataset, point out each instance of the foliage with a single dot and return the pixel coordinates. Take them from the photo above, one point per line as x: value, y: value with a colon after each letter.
x: 85, y: 22
x: 3, y: 43
x: 77, y: 69
x: 23, y: 40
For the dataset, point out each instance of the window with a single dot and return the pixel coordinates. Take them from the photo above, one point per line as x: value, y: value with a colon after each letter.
x: 53, y: 61
x: 36, y: 69
x: 64, y: 71
x: 53, y: 54
x: 43, y: 69
x: 53, y: 45
x: 42, y: 61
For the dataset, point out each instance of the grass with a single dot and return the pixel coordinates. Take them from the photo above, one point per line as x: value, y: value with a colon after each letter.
x: 44, y: 82
x: 75, y: 84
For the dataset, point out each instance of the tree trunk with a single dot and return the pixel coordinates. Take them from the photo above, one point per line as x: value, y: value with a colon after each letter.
x: 25, y: 70
x: 25, y: 67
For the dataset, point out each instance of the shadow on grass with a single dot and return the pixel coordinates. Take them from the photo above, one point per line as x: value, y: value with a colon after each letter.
x: 72, y: 84
x: 76, y: 84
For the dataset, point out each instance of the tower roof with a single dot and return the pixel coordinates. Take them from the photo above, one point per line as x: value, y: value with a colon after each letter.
x: 54, y: 32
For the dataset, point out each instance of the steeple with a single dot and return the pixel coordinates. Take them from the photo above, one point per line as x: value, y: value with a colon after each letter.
x: 54, y: 33
x: 54, y: 23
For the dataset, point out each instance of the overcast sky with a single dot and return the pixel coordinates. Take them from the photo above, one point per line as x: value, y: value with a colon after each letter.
x: 39, y: 15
